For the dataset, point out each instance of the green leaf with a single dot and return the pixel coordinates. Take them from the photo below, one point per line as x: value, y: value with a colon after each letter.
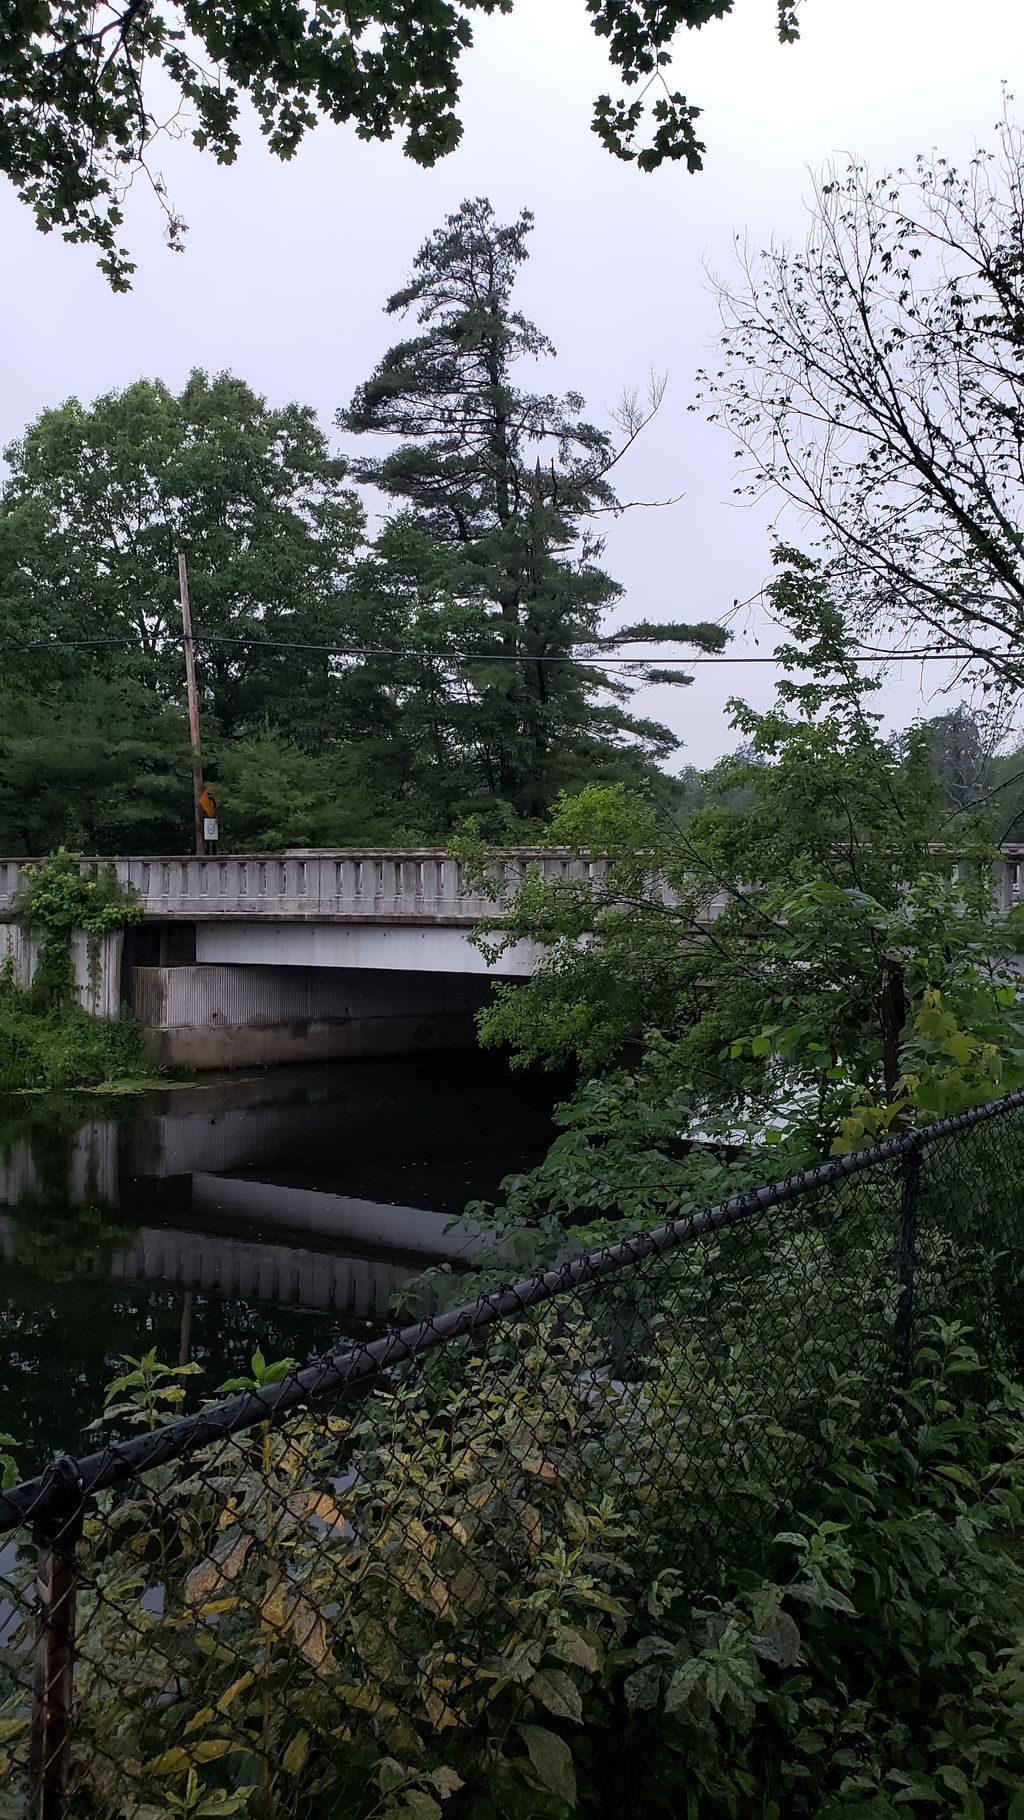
x: 170, y: 1763
x: 558, y: 1692
x: 552, y: 1762
x: 643, y: 1687
x: 683, y: 1683
x: 446, y: 1781
x: 780, y: 1642
x: 389, y: 1775
x: 418, y: 1805
x: 295, y: 1756
x: 573, y: 1646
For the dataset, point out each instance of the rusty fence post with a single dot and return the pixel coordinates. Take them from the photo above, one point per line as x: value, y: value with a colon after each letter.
x: 56, y: 1531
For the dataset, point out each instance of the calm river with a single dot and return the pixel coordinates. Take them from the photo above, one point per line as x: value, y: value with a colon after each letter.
x: 282, y: 1209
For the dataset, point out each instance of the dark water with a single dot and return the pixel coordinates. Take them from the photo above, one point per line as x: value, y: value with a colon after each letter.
x: 284, y: 1210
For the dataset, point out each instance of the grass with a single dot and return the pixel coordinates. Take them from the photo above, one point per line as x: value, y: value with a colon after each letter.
x: 64, y: 1047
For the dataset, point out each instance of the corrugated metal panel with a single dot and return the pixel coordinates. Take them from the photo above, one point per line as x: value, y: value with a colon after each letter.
x: 148, y: 995
x: 212, y: 996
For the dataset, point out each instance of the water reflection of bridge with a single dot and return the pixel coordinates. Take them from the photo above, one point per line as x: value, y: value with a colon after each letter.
x: 189, y: 1178
x: 291, y: 1276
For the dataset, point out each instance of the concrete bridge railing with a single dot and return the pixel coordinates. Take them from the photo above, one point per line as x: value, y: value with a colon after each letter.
x: 422, y: 885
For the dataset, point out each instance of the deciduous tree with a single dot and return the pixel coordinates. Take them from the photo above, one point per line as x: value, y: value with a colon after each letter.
x: 98, y: 503
x: 83, y: 88
x: 813, y: 965
x: 875, y: 378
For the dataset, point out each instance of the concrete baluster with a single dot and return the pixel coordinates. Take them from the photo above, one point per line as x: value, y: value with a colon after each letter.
x: 426, y: 884
x: 390, y: 886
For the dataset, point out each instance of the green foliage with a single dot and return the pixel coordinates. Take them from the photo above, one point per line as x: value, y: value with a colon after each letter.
x: 64, y: 1047
x: 263, y: 1374
x: 276, y: 795
x: 347, y: 696
x: 46, y: 1038
x: 491, y: 567
x: 808, y: 958
x: 1006, y: 795
x: 80, y: 119
x: 92, y: 762
x: 405, y: 1606
x: 884, y: 1670
x: 149, y: 1395
x: 9, y: 1472
x: 59, y: 895
x: 98, y: 502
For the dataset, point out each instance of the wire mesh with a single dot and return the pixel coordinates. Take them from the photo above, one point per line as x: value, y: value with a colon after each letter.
x: 327, y: 1596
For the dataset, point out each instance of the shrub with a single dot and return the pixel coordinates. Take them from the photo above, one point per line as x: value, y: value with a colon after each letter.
x: 464, y: 1596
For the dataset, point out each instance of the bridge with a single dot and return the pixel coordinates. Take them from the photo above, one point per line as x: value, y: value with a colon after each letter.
x: 310, y: 955
x: 374, y: 893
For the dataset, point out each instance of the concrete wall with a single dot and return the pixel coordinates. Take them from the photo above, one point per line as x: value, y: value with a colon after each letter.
x: 238, y: 1016
x: 390, y: 947
x: 98, y: 990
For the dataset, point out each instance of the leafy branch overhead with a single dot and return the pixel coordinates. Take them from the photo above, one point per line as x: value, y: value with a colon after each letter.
x: 82, y: 88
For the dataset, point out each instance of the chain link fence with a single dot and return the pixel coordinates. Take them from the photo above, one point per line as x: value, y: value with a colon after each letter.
x: 337, y: 1594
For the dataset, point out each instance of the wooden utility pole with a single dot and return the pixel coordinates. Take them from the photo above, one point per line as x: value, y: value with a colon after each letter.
x: 193, y: 706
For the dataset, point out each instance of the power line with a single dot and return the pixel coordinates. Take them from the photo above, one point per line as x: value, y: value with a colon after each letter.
x: 598, y: 661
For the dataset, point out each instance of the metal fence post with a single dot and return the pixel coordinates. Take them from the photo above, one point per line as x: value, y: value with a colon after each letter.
x: 56, y: 1531
x: 906, y: 1252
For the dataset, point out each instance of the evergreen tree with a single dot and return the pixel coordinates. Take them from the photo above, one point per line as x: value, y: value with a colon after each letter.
x: 507, y: 485
x: 93, y: 763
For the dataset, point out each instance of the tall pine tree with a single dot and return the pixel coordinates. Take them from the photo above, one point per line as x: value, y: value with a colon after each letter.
x: 504, y: 487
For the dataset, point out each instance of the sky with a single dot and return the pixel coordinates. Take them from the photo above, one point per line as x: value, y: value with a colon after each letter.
x: 287, y: 266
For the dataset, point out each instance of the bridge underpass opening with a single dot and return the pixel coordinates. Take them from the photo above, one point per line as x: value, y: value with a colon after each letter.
x: 210, y: 1015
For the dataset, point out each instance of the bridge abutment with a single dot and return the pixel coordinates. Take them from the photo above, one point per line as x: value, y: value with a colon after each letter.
x: 234, y: 1016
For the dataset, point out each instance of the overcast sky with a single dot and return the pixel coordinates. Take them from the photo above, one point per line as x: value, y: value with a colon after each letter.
x: 287, y: 266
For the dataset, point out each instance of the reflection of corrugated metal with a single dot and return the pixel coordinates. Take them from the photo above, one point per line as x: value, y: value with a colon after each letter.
x: 180, y: 1145
x: 205, y: 997
x: 288, y: 1276
x: 17, y: 1173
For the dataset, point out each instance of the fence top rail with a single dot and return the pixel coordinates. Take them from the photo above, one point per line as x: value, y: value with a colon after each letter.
x: 53, y: 1495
